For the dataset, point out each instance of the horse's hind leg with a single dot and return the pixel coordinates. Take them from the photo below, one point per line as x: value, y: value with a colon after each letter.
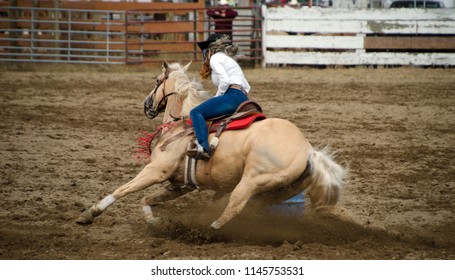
x: 237, y: 201
x: 252, y: 185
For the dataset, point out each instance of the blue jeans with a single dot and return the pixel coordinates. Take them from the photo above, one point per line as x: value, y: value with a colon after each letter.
x: 214, y: 107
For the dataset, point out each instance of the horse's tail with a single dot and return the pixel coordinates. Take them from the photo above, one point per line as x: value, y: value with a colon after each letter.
x: 327, y: 178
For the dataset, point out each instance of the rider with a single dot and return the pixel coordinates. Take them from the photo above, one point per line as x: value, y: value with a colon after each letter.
x: 217, y: 55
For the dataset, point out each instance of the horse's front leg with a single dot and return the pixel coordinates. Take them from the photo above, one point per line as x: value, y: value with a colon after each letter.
x: 157, y: 196
x: 151, y: 174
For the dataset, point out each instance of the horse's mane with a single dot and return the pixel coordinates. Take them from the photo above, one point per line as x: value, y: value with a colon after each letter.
x: 190, y: 92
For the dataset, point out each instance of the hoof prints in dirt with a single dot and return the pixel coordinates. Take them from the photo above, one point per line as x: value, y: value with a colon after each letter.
x: 180, y: 232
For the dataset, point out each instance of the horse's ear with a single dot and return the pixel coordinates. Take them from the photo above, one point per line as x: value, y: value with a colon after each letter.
x: 165, y: 65
x: 186, y: 67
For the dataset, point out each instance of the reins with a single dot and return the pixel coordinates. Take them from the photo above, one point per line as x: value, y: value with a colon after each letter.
x: 165, y: 96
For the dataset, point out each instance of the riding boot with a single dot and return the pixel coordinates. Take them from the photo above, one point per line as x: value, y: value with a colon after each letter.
x: 198, y: 152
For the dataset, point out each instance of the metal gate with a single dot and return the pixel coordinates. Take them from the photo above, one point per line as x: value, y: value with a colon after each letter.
x: 152, y: 35
x: 57, y: 35
x: 61, y: 35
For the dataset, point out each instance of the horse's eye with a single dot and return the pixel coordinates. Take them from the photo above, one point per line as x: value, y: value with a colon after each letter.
x: 158, y: 81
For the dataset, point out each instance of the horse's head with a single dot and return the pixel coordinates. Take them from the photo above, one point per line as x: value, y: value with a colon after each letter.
x: 156, y: 101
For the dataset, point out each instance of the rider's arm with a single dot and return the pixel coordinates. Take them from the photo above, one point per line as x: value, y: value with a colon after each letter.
x: 219, y: 75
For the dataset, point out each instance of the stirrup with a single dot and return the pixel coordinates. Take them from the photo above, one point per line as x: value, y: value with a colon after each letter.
x: 193, y: 153
x: 198, y: 152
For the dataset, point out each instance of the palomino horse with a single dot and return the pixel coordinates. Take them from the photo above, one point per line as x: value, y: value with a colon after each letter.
x: 271, y: 160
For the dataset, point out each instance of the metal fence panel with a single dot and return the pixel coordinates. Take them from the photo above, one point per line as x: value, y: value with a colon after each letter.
x: 30, y: 34
x: 67, y: 35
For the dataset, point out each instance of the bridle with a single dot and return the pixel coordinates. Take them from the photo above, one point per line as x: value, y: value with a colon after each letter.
x: 148, y: 103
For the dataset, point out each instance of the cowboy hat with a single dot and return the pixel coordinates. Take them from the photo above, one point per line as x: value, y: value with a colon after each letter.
x: 212, y: 38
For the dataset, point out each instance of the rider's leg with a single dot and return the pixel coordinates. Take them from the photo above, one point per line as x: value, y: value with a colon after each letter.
x: 214, y: 107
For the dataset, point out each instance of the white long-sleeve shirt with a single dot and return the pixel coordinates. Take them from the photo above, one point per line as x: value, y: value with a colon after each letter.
x: 225, y: 72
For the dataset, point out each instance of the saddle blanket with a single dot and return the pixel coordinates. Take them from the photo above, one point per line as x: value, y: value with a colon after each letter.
x: 235, y: 124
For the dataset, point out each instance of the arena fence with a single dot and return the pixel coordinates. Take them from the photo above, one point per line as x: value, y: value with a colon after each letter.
x: 95, y: 32
x: 316, y: 36
x: 61, y: 35
x: 154, y: 33
x: 146, y: 34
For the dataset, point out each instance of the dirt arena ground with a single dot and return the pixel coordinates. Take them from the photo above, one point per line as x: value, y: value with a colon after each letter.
x: 67, y: 134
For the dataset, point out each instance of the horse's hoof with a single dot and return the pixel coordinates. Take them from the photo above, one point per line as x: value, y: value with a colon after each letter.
x: 153, y: 220
x: 216, y: 225
x: 86, y: 218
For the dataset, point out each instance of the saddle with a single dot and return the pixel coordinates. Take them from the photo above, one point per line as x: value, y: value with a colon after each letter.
x: 247, y: 113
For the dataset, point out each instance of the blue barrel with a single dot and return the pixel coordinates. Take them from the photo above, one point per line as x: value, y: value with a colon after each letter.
x: 292, y: 207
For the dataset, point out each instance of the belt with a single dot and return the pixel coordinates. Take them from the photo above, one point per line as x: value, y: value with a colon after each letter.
x: 239, y: 88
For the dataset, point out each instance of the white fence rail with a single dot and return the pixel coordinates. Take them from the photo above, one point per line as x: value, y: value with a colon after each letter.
x: 317, y: 36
